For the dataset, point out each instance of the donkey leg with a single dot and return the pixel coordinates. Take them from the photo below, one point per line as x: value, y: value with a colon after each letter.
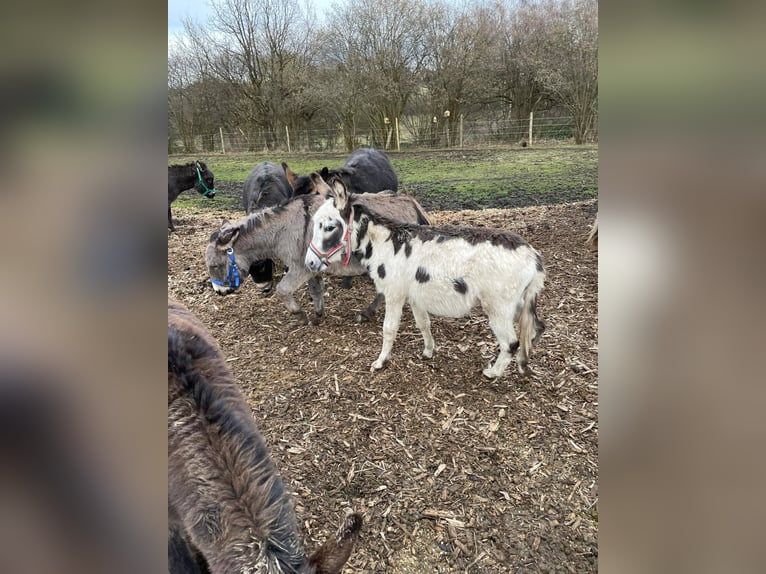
x: 423, y: 321
x: 501, y: 324
x: 390, y: 328
x: 170, y: 220
x: 285, y: 289
x: 316, y: 291
x: 373, y: 307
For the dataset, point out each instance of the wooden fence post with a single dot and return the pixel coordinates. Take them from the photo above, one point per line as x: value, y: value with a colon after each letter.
x: 460, y: 129
x: 530, y: 128
x: 396, y: 124
x: 220, y: 131
x: 287, y: 132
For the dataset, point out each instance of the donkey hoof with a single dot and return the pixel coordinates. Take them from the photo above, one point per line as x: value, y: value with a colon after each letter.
x: 315, y: 319
x: 490, y: 373
x: 363, y: 318
x: 301, y: 317
x: 376, y: 366
x: 346, y: 283
x: 428, y: 353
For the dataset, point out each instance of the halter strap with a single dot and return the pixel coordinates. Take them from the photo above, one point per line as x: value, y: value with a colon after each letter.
x: 202, y: 183
x: 324, y: 257
x: 232, y: 277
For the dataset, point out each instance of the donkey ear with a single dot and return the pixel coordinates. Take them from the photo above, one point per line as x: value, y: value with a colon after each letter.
x: 340, y: 195
x: 291, y: 177
x: 325, y: 173
x: 334, y: 553
x: 320, y: 186
x: 227, y: 237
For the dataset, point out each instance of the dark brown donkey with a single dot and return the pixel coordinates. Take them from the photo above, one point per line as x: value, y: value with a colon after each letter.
x: 228, y: 510
x: 187, y: 176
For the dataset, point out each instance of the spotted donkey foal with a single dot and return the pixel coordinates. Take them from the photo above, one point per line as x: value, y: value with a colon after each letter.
x: 444, y: 271
x: 228, y: 510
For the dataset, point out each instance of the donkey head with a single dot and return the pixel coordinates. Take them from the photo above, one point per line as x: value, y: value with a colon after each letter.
x: 205, y: 181
x: 330, y: 239
x: 320, y: 185
x: 301, y: 184
x: 225, y: 274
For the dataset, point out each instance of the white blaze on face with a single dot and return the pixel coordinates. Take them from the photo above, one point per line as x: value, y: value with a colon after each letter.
x: 323, y: 215
x: 327, y: 222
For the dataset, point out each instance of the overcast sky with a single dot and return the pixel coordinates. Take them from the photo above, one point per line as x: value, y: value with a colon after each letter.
x: 200, y: 11
x: 177, y: 9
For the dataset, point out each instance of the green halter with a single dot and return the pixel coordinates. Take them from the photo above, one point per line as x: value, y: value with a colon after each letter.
x: 201, y: 182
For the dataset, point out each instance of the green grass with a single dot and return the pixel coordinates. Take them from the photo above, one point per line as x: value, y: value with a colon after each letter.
x: 440, y: 179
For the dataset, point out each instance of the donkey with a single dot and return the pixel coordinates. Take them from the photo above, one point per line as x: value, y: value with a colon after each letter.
x: 444, y: 271
x: 265, y: 186
x: 284, y: 233
x: 187, y: 176
x: 366, y: 170
x: 228, y: 509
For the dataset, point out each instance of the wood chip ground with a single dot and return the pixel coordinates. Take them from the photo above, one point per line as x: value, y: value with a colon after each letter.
x: 453, y: 472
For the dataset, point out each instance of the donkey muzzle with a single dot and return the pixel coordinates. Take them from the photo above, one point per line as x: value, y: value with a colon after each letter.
x: 314, y: 263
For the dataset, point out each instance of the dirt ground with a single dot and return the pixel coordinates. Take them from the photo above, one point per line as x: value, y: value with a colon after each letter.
x: 453, y: 472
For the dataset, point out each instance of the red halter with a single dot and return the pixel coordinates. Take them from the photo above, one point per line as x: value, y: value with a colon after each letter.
x: 325, y: 257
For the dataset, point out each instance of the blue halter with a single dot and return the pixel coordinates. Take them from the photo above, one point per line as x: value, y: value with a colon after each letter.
x: 232, y: 279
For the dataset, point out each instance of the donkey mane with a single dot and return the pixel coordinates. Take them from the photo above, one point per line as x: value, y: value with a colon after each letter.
x: 258, y: 219
x: 248, y: 478
x: 186, y: 169
x: 402, y: 232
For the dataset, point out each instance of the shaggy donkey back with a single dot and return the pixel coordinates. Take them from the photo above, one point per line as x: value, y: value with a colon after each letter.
x: 366, y: 170
x: 228, y: 508
x: 444, y: 271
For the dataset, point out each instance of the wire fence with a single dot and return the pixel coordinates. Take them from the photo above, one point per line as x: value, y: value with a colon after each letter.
x: 412, y: 134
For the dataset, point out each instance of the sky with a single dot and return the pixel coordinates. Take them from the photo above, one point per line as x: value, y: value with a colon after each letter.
x: 200, y: 11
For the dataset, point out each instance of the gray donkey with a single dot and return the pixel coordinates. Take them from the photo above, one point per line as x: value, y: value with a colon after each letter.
x: 284, y: 232
x: 228, y: 510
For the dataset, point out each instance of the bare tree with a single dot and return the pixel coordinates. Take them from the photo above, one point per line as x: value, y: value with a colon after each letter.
x: 260, y: 49
x: 180, y: 108
x: 260, y: 65
x: 196, y: 99
x: 569, y: 61
x: 552, y: 53
x: 522, y: 33
x: 458, y: 50
x: 377, y: 51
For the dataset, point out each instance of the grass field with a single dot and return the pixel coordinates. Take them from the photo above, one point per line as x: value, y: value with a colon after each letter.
x: 439, y: 179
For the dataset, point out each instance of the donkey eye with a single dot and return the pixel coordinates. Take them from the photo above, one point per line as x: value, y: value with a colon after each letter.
x: 329, y: 227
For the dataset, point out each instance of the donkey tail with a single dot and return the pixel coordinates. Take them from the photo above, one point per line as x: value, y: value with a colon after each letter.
x: 531, y: 327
